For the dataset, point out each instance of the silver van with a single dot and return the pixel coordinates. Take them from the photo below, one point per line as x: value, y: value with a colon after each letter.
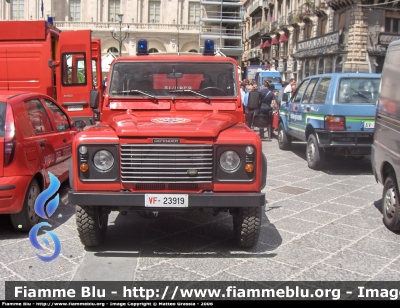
x: 385, y: 152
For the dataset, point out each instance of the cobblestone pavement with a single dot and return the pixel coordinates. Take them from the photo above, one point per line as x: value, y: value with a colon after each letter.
x: 318, y: 226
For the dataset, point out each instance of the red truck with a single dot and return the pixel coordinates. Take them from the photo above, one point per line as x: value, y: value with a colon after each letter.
x: 35, y: 56
x: 172, y: 138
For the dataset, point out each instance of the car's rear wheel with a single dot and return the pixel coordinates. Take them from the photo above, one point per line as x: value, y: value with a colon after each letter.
x: 246, y: 226
x: 92, y: 223
x: 27, y: 218
x: 390, y: 204
x: 284, y: 140
x: 315, y: 155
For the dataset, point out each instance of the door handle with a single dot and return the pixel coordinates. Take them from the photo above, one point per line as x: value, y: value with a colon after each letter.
x: 42, y: 144
x: 308, y: 108
x: 64, y: 140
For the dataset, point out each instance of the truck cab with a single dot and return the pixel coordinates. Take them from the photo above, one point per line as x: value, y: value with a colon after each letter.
x: 172, y: 137
x: 36, y: 56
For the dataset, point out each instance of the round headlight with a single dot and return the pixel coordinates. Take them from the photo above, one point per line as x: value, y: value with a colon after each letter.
x: 249, y: 150
x: 103, y: 160
x: 229, y: 160
x: 83, y: 149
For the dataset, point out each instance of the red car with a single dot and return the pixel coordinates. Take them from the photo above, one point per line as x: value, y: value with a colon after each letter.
x: 35, y: 138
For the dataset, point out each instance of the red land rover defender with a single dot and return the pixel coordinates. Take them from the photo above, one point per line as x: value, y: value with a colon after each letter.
x: 172, y: 138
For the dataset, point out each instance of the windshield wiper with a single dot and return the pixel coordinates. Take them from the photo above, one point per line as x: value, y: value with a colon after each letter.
x: 135, y: 91
x: 360, y: 93
x: 191, y: 91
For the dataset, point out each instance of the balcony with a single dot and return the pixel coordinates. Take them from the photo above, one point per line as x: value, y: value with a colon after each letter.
x: 223, y: 3
x: 137, y: 27
x: 282, y: 22
x: 253, y: 31
x: 226, y: 17
x: 257, y: 5
x: 307, y: 9
x: 274, y: 26
x: 265, y: 29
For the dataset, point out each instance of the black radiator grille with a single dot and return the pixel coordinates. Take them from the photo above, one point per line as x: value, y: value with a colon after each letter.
x: 166, y: 163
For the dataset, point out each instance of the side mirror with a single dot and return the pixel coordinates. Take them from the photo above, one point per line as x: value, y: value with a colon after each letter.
x: 79, y: 124
x: 94, y: 99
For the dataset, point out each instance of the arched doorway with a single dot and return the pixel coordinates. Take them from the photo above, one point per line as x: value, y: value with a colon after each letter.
x: 339, y: 65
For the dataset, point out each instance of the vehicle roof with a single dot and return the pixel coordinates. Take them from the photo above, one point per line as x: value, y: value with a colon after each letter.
x: 175, y: 57
x: 394, y: 43
x: 346, y: 75
x: 6, y: 95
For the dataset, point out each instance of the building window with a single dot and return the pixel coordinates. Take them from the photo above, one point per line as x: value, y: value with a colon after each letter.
x: 322, y: 26
x: 339, y: 65
x: 18, y: 9
x: 321, y: 66
x: 392, y: 25
x: 307, y: 68
x: 308, y: 30
x: 154, y: 11
x: 113, y: 10
x: 153, y: 50
x: 74, y: 10
x: 113, y: 50
x: 194, y: 12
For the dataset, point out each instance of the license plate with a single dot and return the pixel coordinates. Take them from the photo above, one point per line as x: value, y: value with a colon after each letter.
x: 75, y: 108
x: 166, y: 200
x: 369, y: 124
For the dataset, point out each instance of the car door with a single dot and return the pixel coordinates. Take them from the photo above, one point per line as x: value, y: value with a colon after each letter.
x: 62, y: 139
x: 304, y: 108
x: 295, y: 126
x: 44, y: 138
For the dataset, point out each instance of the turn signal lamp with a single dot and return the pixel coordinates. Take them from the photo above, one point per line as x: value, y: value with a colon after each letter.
x: 208, y: 48
x: 249, y: 168
x: 335, y: 123
x: 142, y: 48
x: 84, y: 167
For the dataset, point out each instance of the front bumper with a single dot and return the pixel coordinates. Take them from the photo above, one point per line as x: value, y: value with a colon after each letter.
x: 345, y: 139
x: 136, y: 201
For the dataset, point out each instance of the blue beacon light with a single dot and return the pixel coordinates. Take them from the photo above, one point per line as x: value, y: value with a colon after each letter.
x: 208, y: 48
x: 142, y: 48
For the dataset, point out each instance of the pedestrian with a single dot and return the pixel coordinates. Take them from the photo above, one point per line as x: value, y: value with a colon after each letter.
x: 267, y: 102
x: 243, y: 95
x: 288, y: 88
x: 250, y: 111
x: 104, y: 83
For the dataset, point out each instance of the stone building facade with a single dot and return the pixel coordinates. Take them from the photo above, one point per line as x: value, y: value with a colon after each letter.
x: 306, y: 37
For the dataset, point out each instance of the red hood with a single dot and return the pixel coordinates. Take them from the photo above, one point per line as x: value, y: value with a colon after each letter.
x: 167, y: 124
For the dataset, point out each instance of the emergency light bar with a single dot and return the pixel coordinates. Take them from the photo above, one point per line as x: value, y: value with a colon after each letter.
x: 208, y: 48
x: 142, y: 48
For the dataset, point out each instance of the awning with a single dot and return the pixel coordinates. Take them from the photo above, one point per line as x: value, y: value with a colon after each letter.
x: 275, y: 41
x: 284, y: 37
x: 261, y: 45
x: 267, y: 44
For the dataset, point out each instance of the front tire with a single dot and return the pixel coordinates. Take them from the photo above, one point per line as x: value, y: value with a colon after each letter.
x: 27, y: 218
x: 92, y: 225
x: 284, y: 140
x: 315, y: 155
x: 390, y: 204
x: 246, y: 226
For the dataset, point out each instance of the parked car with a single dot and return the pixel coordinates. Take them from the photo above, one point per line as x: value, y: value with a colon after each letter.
x: 35, y: 138
x: 334, y: 113
x: 273, y: 77
x: 385, y: 158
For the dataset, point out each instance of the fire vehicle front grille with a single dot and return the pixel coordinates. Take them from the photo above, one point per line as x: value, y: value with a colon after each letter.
x: 171, y: 186
x: 166, y: 163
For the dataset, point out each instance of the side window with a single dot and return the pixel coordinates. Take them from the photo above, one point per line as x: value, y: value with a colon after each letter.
x: 309, y: 91
x: 322, y: 91
x: 38, y: 116
x: 59, y: 116
x: 299, y: 92
x: 74, y: 69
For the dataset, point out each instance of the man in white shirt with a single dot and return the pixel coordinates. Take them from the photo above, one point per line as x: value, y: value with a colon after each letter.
x: 288, y: 88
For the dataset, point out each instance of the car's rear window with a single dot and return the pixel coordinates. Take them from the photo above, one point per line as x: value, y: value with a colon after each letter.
x: 358, y: 90
x: 2, y: 118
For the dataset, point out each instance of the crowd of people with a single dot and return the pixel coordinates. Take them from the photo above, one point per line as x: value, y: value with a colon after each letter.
x: 269, y: 103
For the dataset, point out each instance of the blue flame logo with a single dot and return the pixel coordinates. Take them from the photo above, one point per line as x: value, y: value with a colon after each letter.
x: 45, y: 212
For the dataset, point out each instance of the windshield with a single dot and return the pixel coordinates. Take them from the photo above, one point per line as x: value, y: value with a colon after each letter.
x: 273, y: 80
x: 164, y: 79
x: 359, y: 90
